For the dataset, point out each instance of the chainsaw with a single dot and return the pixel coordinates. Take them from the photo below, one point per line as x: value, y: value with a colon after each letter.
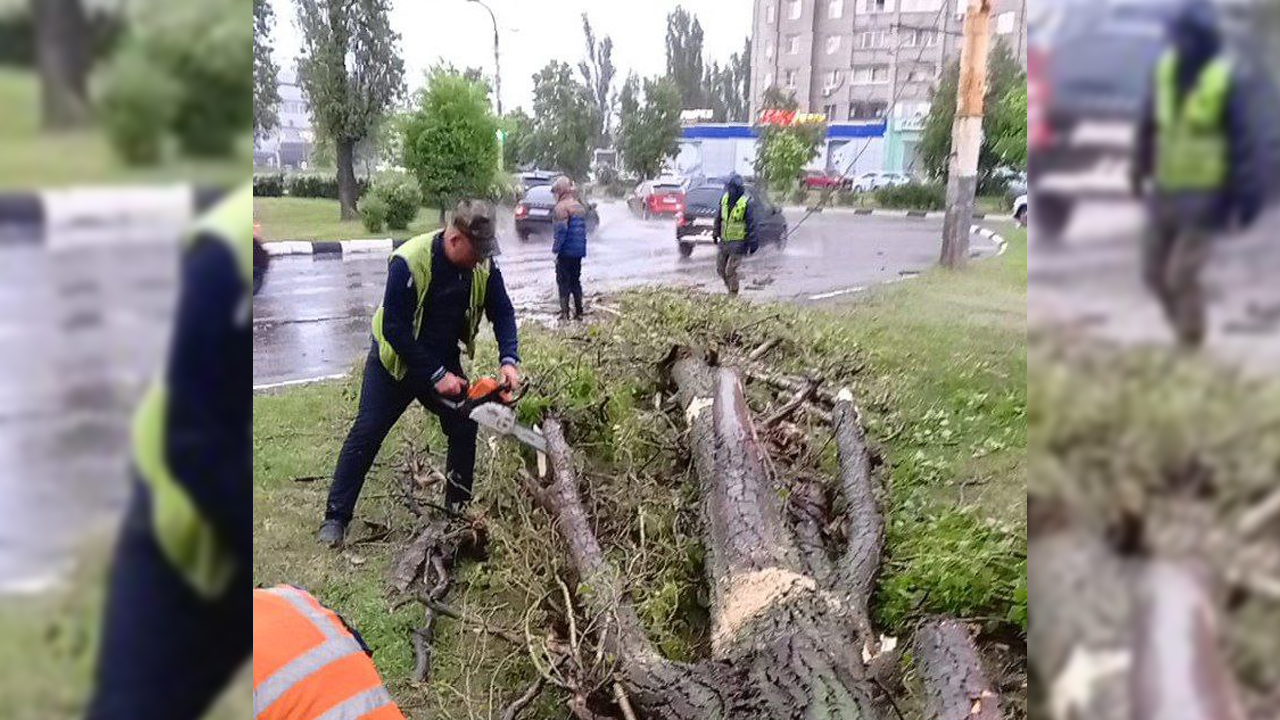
x: 490, y: 405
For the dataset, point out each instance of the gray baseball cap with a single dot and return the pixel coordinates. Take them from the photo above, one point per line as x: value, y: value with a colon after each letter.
x: 476, y: 219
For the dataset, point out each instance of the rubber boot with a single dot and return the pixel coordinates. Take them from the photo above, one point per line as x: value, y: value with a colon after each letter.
x: 577, y: 307
x: 564, y: 308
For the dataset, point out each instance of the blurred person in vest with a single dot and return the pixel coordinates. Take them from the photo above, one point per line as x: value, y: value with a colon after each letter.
x: 569, y: 221
x: 734, y: 230
x: 309, y: 664
x: 439, y: 287
x: 175, y: 616
x: 1195, y: 165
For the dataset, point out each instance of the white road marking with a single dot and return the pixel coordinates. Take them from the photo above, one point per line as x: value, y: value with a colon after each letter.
x: 303, y: 381
x: 838, y: 293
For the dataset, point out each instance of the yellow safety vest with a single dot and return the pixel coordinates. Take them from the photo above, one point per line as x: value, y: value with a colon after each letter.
x: 417, y: 253
x: 733, y: 222
x: 1191, y: 137
x: 187, y: 539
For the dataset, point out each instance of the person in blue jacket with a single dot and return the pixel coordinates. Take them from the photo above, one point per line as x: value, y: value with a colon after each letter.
x: 734, y: 230
x: 1196, y: 163
x: 178, y: 612
x: 569, y: 220
x: 439, y: 286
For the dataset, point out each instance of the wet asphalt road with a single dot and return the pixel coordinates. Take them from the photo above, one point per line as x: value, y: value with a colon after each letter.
x: 312, y: 318
x: 81, y: 332
x: 1093, y: 284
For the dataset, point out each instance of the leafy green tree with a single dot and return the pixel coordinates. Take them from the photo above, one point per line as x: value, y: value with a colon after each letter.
x: 783, y: 157
x: 684, y: 57
x: 353, y: 74
x: 515, y: 149
x: 649, y: 132
x: 1004, y: 74
x: 728, y: 87
x: 565, y: 121
x: 450, y: 141
x: 598, y: 73
x: 1009, y: 126
x: 266, y: 91
x: 771, y: 162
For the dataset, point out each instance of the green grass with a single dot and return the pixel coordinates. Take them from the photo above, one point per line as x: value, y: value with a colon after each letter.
x: 31, y: 158
x: 317, y: 219
x: 938, y: 366
x: 48, y: 649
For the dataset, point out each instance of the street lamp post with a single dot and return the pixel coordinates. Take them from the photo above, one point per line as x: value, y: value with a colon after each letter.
x: 497, y: 67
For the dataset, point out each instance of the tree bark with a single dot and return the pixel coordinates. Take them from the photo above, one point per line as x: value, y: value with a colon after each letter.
x: 957, y: 688
x: 347, y: 190
x: 62, y: 56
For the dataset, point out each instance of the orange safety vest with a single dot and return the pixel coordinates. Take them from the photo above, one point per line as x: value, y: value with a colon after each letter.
x: 308, y: 666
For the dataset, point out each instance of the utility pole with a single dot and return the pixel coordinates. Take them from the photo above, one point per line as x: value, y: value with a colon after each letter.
x: 966, y: 134
x: 497, y: 67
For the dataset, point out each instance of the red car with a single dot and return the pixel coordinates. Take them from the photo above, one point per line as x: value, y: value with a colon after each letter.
x: 655, y: 197
x: 818, y: 180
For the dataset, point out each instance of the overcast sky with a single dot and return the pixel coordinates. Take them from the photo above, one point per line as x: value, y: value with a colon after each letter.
x: 534, y: 32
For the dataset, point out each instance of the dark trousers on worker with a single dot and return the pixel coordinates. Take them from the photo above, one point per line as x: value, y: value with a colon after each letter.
x: 728, y: 260
x: 383, y: 399
x: 1176, y: 249
x: 166, y: 652
x: 569, y: 283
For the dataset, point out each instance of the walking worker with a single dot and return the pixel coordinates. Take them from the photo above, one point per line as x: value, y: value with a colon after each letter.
x: 1197, y: 150
x: 734, y: 231
x: 569, y: 219
x: 175, y: 619
x: 309, y: 664
x: 439, y: 287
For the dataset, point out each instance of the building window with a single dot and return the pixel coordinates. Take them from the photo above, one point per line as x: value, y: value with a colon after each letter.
x: 878, y: 6
x: 907, y: 39
x: 930, y: 37
x: 871, y: 75
x: 791, y: 79
x: 835, y: 9
x: 770, y: 14
x: 793, y: 10
x: 768, y: 79
x: 793, y: 44
x: 768, y: 49
x: 829, y: 111
x: 833, y: 44
x: 867, y: 110
x: 922, y: 5
x: 1006, y: 22
x: 832, y: 79
x: 872, y: 39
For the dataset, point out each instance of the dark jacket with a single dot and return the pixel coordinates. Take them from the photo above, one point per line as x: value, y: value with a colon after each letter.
x: 569, y: 219
x: 208, y: 430
x: 753, y: 239
x: 435, y: 350
x: 1196, y: 41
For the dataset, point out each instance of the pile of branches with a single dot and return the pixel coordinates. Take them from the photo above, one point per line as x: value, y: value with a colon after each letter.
x: 790, y: 599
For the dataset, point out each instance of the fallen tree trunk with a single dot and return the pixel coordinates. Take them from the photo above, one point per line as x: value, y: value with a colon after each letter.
x: 956, y: 686
x: 785, y: 640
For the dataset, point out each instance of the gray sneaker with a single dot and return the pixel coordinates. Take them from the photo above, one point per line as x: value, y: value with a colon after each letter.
x: 333, y: 533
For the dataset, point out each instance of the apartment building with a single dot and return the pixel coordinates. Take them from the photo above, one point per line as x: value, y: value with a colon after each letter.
x: 850, y: 59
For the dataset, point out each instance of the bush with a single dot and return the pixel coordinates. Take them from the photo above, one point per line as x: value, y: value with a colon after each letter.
x: 913, y: 196
x: 846, y: 197
x: 317, y: 185
x: 268, y: 185
x: 373, y: 213
x: 800, y: 195
x: 400, y: 197
x: 136, y: 101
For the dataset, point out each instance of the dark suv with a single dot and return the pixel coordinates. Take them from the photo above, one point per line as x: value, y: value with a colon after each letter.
x: 694, y: 225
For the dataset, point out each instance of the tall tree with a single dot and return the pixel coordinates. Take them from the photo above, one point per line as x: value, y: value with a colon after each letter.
x: 598, y: 73
x: 778, y: 147
x: 740, y: 101
x: 649, y: 133
x: 450, y: 142
x: 352, y: 72
x: 266, y: 91
x: 63, y: 58
x: 565, y: 121
x: 684, y: 57
x: 515, y: 149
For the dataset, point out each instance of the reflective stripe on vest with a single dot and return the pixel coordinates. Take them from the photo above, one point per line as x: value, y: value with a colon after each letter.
x: 417, y: 255
x: 1191, y: 137
x: 733, y: 223
x: 321, y: 695
x: 186, y: 538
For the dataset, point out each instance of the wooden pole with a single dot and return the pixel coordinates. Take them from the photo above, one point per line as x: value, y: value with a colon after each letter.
x: 966, y: 134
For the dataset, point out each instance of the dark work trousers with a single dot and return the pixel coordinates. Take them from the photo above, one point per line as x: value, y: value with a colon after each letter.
x: 383, y: 400
x: 569, y: 282
x: 166, y: 653
x: 1176, y: 249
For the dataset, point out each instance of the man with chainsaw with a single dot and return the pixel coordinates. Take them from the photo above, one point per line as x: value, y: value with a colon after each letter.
x: 439, y: 286
x: 177, y: 610
x: 1196, y: 165
x: 734, y: 230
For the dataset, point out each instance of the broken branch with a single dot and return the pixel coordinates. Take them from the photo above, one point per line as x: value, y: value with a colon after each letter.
x: 956, y: 686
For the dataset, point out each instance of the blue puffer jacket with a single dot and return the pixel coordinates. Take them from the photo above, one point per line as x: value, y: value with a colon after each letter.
x: 570, y: 220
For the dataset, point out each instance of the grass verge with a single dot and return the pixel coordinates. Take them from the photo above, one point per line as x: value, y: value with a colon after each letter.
x: 31, y: 158
x: 937, y: 364
x: 318, y: 219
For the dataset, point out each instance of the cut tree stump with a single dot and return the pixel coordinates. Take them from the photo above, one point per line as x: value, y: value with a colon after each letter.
x: 791, y: 635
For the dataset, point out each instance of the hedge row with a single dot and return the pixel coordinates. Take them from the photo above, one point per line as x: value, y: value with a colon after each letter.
x: 304, y: 185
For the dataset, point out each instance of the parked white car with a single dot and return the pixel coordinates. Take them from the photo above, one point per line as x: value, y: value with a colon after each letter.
x: 1020, y: 210
x: 868, y: 181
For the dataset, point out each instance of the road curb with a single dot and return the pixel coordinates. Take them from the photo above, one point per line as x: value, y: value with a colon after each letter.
x: 923, y: 214
x: 331, y: 247
x: 41, y: 212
